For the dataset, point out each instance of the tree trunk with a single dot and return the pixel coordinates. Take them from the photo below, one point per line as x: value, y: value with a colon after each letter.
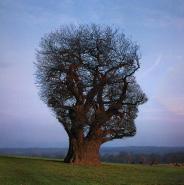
x: 83, y: 152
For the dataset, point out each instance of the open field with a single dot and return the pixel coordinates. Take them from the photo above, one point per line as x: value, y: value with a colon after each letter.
x: 29, y: 171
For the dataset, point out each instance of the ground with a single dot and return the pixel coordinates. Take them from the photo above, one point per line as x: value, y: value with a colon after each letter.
x: 31, y: 171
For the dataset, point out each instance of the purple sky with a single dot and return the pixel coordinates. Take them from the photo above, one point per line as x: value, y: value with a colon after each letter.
x: 158, y: 26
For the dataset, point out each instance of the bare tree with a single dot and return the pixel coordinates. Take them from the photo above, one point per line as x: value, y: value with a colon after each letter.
x: 86, y: 76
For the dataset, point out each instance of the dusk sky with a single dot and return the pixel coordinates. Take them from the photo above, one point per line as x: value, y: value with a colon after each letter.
x: 158, y: 27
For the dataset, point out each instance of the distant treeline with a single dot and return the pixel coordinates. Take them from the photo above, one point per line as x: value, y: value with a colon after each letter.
x: 132, y: 158
x: 35, y: 152
x: 134, y: 155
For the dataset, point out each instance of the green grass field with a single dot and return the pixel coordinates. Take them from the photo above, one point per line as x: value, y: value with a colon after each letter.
x: 29, y: 171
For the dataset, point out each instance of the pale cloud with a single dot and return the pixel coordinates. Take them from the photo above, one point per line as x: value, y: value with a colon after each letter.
x: 165, y: 21
x: 171, y: 90
x: 152, y: 67
x: 37, y: 13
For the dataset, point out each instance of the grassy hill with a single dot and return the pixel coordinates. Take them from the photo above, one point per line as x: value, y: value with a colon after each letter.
x: 29, y: 171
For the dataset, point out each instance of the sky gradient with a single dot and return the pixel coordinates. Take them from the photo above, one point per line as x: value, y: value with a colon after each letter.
x: 158, y: 27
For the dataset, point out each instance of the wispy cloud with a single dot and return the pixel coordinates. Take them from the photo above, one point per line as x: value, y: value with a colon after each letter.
x: 171, y: 90
x: 152, y: 67
x: 165, y: 21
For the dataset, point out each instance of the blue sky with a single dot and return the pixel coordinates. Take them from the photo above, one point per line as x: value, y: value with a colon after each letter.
x: 157, y: 26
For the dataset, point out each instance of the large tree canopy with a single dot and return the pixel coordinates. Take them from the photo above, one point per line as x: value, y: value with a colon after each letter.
x: 86, y: 76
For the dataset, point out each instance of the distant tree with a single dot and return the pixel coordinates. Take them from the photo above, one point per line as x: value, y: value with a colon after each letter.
x: 86, y: 76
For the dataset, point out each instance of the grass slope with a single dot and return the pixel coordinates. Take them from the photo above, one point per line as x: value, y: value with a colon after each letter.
x: 29, y: 171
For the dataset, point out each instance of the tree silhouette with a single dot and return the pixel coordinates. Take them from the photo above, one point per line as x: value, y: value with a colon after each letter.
x: 86, y: 76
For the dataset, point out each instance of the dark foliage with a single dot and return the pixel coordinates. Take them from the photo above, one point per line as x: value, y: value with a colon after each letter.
x: 86, y: 76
